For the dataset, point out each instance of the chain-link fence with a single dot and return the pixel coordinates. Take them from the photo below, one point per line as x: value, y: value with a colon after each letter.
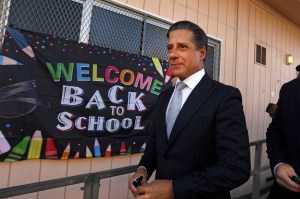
x: 103, y: 23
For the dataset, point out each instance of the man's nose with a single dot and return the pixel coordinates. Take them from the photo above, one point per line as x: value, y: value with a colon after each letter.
x: 172, y: 54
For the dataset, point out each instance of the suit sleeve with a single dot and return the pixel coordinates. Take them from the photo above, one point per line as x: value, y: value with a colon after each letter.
x: 148, y: 159
x: 232, y: 167
x: 275, y: 145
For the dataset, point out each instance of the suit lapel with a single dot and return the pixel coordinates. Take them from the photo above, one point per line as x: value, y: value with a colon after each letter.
x: 162, y: 116
x: 190, y: 107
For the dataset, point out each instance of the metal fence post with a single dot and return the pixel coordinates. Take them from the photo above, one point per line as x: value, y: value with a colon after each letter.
x: 86, y: 20
x: 256, y: 171
x: 96, y: 187
x: 88, y: 187
x: 91, y: 187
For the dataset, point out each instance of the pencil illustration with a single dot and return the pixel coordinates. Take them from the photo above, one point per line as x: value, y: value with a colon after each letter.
x: 88, y: 152
x: 66, y: 153
x: 123, y: 149
x: 143, y: 148
x: 8, y: 61
x: 50, y: 151
x: 35, y: 145
x: 97, y: 148
x: 4, y: 145
x: 21, y: 42
x: 108, y: 150
x: 128, y: 150
x: 18, y: 151
x: 158, y: 66
x: 76, y: 156
x: 168, y: 75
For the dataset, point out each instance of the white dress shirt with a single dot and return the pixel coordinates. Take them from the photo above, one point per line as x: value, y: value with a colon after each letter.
x: 191, y: 83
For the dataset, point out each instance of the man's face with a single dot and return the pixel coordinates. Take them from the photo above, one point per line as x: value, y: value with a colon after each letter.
x: 183, y: 57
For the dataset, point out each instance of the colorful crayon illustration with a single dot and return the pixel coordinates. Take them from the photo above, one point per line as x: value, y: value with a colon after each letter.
x: 168, y: 75
x: 50, y: 151
x: 18, y: 151
x: 8, y: 61
x: 88, y: 152
x: 4, y: 145
x: 21, y: 42
x: 108, y: 151
x: 35, y: 145
x: 158, y: 66
x: 66, y: 153
x: 97, y: 148
x: 123, y: 149
x: 143, y: 148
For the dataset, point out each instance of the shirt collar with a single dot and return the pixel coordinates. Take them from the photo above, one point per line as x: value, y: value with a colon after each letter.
x: 194, y: 79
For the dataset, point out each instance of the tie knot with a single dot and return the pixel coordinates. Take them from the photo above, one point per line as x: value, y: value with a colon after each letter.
x: 180, y: 86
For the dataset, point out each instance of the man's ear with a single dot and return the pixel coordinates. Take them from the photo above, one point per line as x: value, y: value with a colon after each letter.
x: 202, y: 53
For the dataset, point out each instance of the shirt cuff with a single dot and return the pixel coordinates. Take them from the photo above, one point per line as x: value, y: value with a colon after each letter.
x: 274, y: 170
x: 143, y: 168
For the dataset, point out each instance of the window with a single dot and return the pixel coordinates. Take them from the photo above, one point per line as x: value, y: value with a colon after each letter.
x: 260, y: 55
x: 155, y: 44
x: 212, y: 60
x: 106, y: 24
x: 117, y: 29
x: 60, y: 18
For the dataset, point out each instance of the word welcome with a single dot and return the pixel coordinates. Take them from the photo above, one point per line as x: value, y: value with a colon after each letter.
x: 112, y: 74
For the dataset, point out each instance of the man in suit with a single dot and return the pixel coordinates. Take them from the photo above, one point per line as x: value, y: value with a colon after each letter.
x: 206, y: 153
x: 283, y: 142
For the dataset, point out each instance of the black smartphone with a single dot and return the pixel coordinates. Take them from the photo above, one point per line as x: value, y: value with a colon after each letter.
x: 296, y: 179
x: 138, y: 181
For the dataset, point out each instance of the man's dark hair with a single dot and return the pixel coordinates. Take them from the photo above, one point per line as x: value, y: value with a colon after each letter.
x: 298, y: 68
x: 200, y: 38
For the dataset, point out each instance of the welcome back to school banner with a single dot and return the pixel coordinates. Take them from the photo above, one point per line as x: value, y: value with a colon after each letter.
x: 63, y: 100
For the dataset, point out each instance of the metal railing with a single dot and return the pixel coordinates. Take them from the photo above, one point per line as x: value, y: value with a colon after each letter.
x: 257, y: 168
x: 92, y: 180
x: 91, y: 183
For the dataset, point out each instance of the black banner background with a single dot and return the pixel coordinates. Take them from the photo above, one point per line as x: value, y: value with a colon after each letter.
x: 34, y: 101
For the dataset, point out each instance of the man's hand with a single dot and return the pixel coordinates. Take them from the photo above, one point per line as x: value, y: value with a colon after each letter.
x: 157, y: 189
x: 141, y: 171
x: 283, y: 174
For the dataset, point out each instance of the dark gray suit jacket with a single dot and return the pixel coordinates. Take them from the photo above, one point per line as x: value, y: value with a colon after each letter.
x: 208, y: 151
